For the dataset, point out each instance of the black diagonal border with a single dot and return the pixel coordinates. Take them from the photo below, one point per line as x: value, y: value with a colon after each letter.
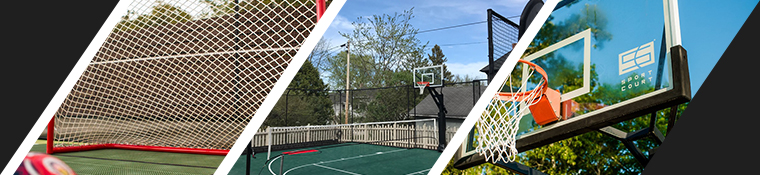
x: 717, y: 133
x: 42, y: 40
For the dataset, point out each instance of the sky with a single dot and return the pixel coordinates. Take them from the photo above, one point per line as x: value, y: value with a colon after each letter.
x: 707, y: 28
x: 431, y: 14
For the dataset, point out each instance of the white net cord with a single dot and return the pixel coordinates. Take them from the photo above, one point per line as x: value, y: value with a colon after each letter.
x: 498, y: 125
x: 184, y: 74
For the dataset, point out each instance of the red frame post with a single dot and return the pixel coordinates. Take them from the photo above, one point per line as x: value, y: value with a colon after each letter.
x: 320, y: 8
x: 50, y: 134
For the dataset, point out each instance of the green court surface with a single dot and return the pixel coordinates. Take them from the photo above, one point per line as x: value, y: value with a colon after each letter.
x: 118, y: 161
x: 347, y: 158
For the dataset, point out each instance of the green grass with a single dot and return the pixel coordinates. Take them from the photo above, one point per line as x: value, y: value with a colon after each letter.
x: 117, y: 161
x: 345, y: 159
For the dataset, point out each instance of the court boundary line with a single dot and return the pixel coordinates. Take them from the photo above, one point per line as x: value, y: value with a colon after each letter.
x: 335, y: 169
x: 331, y: 161
x: 420, y: 172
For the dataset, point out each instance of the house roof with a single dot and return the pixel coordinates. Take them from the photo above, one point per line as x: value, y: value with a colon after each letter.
x: 458, y: 100
x: 497, y: 63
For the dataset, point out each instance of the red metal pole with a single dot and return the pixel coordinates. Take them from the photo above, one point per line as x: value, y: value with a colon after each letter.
x: 320, y: 8
x: 170, y: 149
x: 143, y: 148
x: 50, y: 134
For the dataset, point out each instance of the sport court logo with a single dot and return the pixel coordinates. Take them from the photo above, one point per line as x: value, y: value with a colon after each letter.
x: 636, y: 58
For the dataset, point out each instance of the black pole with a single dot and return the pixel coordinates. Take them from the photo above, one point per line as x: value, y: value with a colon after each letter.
x: 282, y: 162
x: 438, y: 99
x: 338, y: 133
x: 287, y: 94
x: 475, y: 92
x: 441, y: 125
x: 248, y: 159
x: 490, y: 47
x: 414, y: 97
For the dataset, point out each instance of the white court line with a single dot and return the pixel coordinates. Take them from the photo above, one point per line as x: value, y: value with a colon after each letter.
x: 270, y: 165
x: 419, y: 172
x: 344, y: 171
x: 335, y: 160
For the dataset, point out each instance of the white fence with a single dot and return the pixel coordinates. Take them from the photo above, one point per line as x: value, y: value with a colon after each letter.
x: 406, y: 134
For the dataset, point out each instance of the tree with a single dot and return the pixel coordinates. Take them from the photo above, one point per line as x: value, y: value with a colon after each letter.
x: 361, y: 74
x: 384, y: 50
x: 437, y: 57
x: 307, y: 100
x: 223, y: 7
x: 160, y: 14
x: 381, y: 45
x: 462, y: 78
x: 321, y: 54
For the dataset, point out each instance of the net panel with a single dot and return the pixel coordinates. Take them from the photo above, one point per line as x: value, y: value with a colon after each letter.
x: 186, y: 74
x: 503, y: 33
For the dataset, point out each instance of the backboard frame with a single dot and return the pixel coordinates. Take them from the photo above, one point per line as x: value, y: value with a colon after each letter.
x: 433, y: 71
x: 678, y: 92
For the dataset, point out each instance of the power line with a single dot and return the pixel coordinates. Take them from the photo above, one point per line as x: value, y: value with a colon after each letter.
x: 459, y: 44
x: 456, y: 26
x: 444, y: 28
x: 449, y: 27
x: 333, y: 48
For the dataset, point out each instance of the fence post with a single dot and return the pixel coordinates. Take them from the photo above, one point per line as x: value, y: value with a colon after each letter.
x: 269, y: 142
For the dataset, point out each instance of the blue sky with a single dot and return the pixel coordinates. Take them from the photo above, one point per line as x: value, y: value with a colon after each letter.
x: 430, y: 14
x: 707, y: 28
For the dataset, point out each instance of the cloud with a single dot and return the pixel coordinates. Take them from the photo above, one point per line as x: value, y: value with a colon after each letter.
x: 470, y: 69
x: 339, y: 24
x: 342, y: 24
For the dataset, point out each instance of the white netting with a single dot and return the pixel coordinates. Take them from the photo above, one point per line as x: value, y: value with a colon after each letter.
x: 496, y: 130
x: 187, y: 74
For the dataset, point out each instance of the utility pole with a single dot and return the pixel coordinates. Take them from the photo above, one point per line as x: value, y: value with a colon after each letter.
x: 348, y: 73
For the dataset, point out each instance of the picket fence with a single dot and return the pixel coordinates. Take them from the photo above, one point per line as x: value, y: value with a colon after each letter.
x: 402, y: 135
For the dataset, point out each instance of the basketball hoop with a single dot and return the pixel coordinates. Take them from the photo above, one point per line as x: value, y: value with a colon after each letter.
x: 422, y: 85
x: 499, y: 123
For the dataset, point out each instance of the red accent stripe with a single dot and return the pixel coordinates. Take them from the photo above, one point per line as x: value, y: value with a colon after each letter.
x: 142, y: 148
x: 299, y: 152
x: 172, y: 149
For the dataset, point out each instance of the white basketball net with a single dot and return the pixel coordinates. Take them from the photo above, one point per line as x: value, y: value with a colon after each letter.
x: 187, y: 74
x: 498, y: 124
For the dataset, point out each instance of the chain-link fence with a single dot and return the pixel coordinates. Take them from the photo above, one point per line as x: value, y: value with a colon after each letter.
x: 300, y: 107
x: 303, y: 107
